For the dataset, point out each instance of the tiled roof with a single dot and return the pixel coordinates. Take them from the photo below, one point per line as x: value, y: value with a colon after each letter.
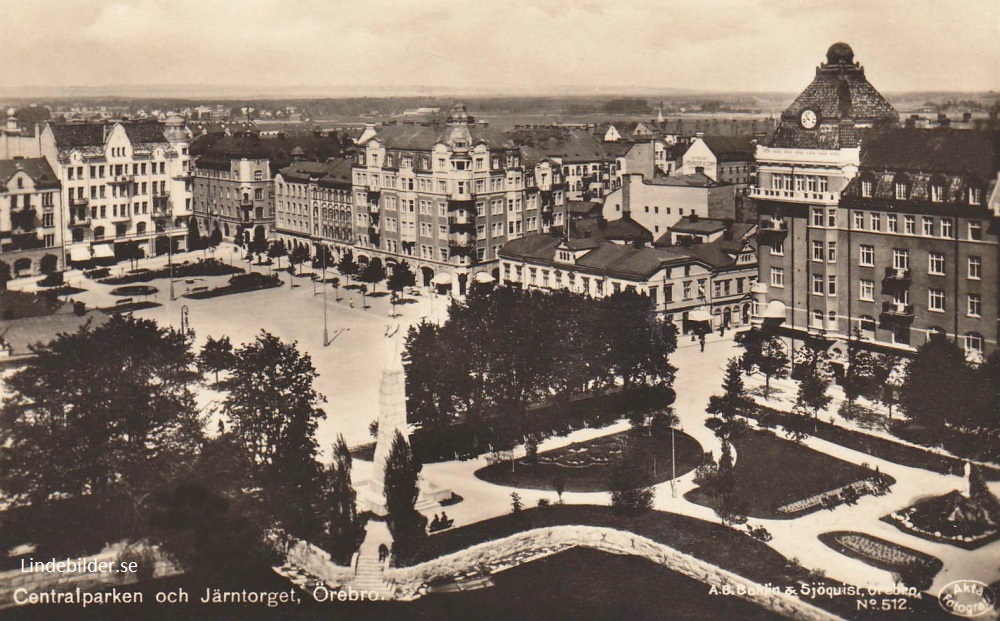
x: 839, y: 92
x: 583, y: 208
x: 71, y: 135
x: 334, y: 173
x: 220, y: 151
x: 144, y: 132
x: 424, y: 137
x: 695, y: 180
x: 730, y: 148
x: 687, y: 224
x: 622, y: 229
x: 942, y: 150
x: 36, y: 167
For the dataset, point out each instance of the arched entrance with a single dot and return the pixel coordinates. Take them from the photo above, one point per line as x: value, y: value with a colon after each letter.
x: 463, y: 280
x: 746, y: 312
x: 428, y: 275
x: 22, y: 267
x: 727, y: 318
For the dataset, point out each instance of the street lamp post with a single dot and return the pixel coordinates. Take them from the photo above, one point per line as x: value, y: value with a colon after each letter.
x: 673, y: 466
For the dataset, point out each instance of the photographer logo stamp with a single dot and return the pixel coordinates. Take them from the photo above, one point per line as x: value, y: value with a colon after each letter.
x: 967, y: 598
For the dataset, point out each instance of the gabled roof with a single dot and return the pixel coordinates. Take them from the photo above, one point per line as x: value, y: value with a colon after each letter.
x: 731, y: 148
x: 35, y: 167
x: 73, y: 135
x: 622, y: 229
x: 424, y: 137
x: 701, y: 226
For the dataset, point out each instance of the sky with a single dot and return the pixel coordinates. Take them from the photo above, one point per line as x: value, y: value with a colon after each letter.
x: 703, y: 45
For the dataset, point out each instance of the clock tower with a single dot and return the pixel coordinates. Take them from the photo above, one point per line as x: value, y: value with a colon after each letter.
x: 813, y: 155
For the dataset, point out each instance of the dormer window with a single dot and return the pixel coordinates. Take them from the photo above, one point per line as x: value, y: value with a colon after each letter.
x: 937, y: 190
x: 565, y: 256
x: 407, y: 161
x: 975, y: 196
x: 901, y: 186
x: 867, y: 188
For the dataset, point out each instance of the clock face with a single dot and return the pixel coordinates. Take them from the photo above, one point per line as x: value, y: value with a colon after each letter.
x: 808, y: 119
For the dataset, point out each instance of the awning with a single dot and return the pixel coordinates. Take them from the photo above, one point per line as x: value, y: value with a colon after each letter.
x: 104, y: 251
x: 484, y: 278
x: 441, y: 278
x: 699, y: 315
x: 79, y: 254
x: 775, y: 310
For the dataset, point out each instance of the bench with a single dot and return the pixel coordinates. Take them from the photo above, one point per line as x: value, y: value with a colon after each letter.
x: 123, y: 302
x: 198, y: 289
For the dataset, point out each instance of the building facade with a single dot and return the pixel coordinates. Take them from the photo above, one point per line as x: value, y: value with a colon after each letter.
x: 32, y: 221
x: 314, y: 206
x: 726, y: 159
x: 122, y: 183
x: 841, y: 251
x: 658, y: 203
x: 446, y: 199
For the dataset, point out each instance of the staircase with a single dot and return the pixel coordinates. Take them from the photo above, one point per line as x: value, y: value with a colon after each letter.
x: 368, y: 571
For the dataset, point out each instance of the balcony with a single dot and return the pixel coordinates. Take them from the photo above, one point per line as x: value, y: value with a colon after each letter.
x: 457, y: 202
x: 897, y: 275
x: 462, y: 217
x: 897, y: 310
x: 461, y: 249
x: 122, y: 179
x: 79, y: 202
x: 795, y: 196
x: 463, y: 239
x: 773, y: 226
x: 84, y: 221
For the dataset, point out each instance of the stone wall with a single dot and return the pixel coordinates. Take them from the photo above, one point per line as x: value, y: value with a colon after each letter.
x: 501, y: 554
x: 34, y: 582
x: 318, y: 563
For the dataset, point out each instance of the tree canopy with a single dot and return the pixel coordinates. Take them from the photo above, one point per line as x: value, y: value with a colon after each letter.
x: 106, y: 405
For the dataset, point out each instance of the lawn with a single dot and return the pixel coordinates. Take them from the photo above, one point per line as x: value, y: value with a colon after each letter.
x: 771, y: 472
x: 588, y: 466
x: 882, y: 448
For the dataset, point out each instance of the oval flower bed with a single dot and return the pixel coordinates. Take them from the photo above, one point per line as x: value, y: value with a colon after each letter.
x: 881, y: 553
x: 131, y: 290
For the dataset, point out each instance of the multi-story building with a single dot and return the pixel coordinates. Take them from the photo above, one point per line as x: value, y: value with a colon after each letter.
x: 888, y: 252
x: 726, y: 159
x: 313, y: 205
x: 659, y: 202
x: 234, y: 177
x: 698, y: 285
x: 31, y: 217
x: 921, y: 241
x: 447, y: 199
x: 121, y: 182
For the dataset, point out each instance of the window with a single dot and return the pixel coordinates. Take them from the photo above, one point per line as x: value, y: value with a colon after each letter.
x: 867, y: 325
x: 867, y: 256
x: 909, y: 225
x: 975, y: 230
x: 778, y: 247
x: 687, y: 286
x: 816, y: 319
x: 831, y: 252
x: 975, y: 306
x: 901, y: 259
x: 866, y: 188
x: 859, y: 220
x: 831, y: 320
x: 975, y: 196
x: 817, y: 284
x: 831, y: 217
x: 876, y: 221
x: 817, y: 250
x: 817, y: 216
x: 258, y: 175
x: 935, y: 300
x: 866, y: 290
x: 947, y: 227
x: 901, y: 190
x: 928, y: 224
x: 892, y: 223
x: 935, y: 263
x: 937, y: 192
x: 831, y: 285
x: 973, y: 343
x: 975, y: 268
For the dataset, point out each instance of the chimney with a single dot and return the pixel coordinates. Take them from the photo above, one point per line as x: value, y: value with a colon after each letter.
x: 966, y: 116
x: 627, y: 196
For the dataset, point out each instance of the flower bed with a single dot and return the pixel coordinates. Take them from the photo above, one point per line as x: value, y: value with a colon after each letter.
x: 936, y: 519
x: 203, y: 267
x: 241, y: 283
x: 131, y: 290
x: 883, y: 554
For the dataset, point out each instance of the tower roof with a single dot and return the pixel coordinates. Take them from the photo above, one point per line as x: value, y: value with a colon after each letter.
x: 842, y: 100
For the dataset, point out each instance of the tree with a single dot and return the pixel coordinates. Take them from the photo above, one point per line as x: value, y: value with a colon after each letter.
x: 300, y: 254
x: 345, y: 529
x: 812, y: 395
x: 630, y: 489
x: 277, y: 250
x: 773, y: 362
x: 130, y: 251
x: 940, y: 387
x: 402, y: 488
x: 373, y: 272
x: 215, y: 238
x: 731, y: 403
x: 669, y: 336
x: 860, y: 371
x: 194, y: 239
x: 102, y: 409
x: 884, y: 383
x: 5, y: 274
x: 400, y: 278
x: 48, y: 264
x: 216, y: 356
x: 274, y: 412
x: 347, y: 266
